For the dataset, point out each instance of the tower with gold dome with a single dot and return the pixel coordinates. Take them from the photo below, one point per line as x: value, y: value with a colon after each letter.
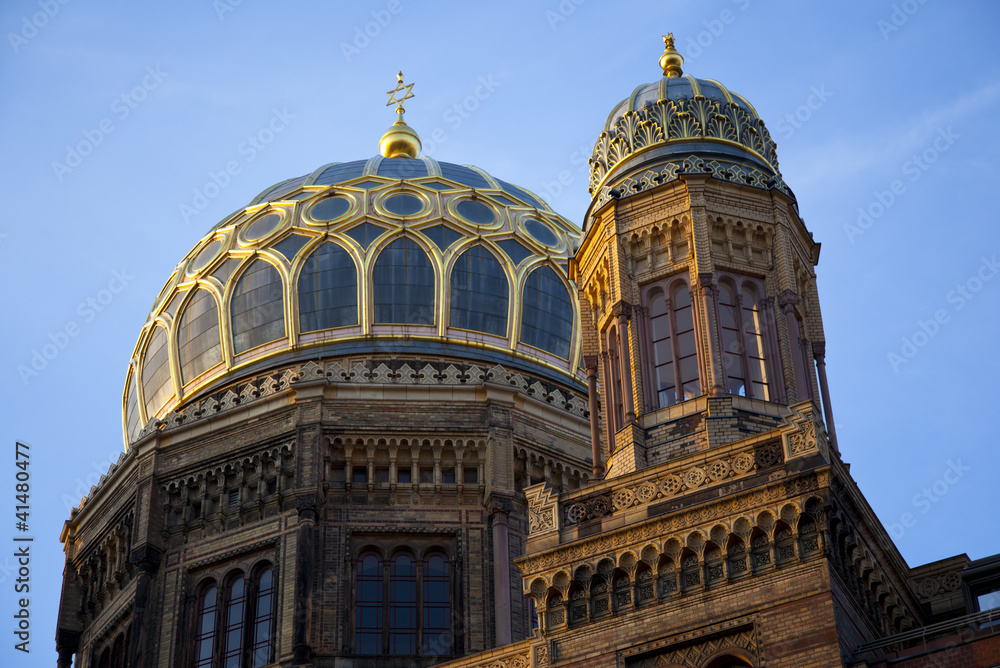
x: 399, y: 412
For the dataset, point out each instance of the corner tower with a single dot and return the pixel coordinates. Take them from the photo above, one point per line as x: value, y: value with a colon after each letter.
x: 696, y: 274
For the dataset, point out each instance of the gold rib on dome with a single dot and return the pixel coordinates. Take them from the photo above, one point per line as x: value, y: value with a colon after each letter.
x: 400, y: 140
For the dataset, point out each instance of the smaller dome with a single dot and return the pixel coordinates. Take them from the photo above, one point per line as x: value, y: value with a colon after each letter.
x: 681, y: 125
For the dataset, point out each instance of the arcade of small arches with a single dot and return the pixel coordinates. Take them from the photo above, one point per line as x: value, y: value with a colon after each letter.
x: 678, y: 565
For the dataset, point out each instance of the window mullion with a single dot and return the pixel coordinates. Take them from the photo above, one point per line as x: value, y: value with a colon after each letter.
x: 386, y: 615
x: 420, y: 607
x: 675, y: 350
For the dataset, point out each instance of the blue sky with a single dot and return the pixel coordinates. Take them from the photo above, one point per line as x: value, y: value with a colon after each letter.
x: 885, y: 115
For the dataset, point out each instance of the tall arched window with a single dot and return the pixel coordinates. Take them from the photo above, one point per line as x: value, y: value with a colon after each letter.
x: 205, y: 633
x: 257, y: 308
x: 263, y: 619
x: 547, y: 318
x: 403, y: 605
x: 437, y: 606
x: 368, y: 619
x: 403, y: 286
x: 479, y: 293
x: 156, y: 386
x: 742, y: 329
x: 617, y: 395
x: 328, y: 289
x: 235, y: 622
x: 675, y: 350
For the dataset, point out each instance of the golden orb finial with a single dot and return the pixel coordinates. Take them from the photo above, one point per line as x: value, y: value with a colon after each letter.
x: 671, y: 61
x: 400, y: 140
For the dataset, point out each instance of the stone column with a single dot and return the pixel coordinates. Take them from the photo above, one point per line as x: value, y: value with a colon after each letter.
x: 590, y: 363
x: 143, y: 626
x: 710, y: 344
x: 819, y: 352
x: 501, y: 571
x: 304, y: 570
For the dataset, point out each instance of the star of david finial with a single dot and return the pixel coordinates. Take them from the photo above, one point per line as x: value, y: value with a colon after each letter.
x: 671, y: 61
x: 668, y: 41
x: 394, y: 94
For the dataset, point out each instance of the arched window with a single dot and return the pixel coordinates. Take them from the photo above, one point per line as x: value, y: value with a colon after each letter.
x: 479, y: 293
x: 118, y: 652
x: 547, y: 319
x: 258, y: 307
x: 616, y: 390
x: 198, y: 343
x: 675, y: 350
x: 743, y: 339
x: 263, y: 619
x: 328, y: 289
x: 205, y: 633
x: 403, y: 284
x: 368, y: 620
x: 235, y: 621
x: 437, y: 606
x: 402, y: 605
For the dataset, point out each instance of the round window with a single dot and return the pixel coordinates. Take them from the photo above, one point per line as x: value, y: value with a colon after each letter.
x: 403, y: 205
x: 541, y: 232
x: 262, y: 227
x: 475, y: 212
x: 330, y: 208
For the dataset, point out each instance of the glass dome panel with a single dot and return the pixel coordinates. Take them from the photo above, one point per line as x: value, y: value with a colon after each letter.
x: 442, y: 236
x: 479, y: 293
x: 156, y: 386
x: 464, y: 175
x: 541, y: 232
x: 198, y: 343
x: 402, y: 168
x: 258, y: 307
x: 344, y: 171
x: 262, y: 227
x: 328, y: 289
x: 132, y: 425
x: 403, y: 284
x: 291, y: 245
x: 475, y: 212
x: 365, y: 233
x: 547, y: 320
x: 515, y: 250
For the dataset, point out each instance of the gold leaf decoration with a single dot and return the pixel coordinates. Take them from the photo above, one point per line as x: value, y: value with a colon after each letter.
x: 627, y: 126
x: 684, y: 126
x: 617, y: 151
x: 647, y: 134
x: 720, y: 127
x: 663, y: 114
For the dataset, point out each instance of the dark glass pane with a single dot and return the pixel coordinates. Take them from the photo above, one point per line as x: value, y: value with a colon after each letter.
x: 427, y: 475
x: 233, y: 647
x: 403, y: 285
x: 479, y: 293
x: 541, y: 232
x: 506, y: 201
x: 403, y: 205
x: 665, y: 376
x: 403, y: 475
x: 471, y: 476
x: 132, y: 410
x: 328, y: 289
x: 689, y: 369
x: 437, y: 185
x: 520, y: 194
x: 662, y: 351
x: 402, y: 168
x: 330, y: 208
x: 156, y: 385
x: 686, y: 344
x: 727, y: 315
x: 463, y: 175
x: 263, y: 620
x: 205, y: 634
x: 682, y: 297
x: 198, y: 342
x: 437, y: 606
x: 368, y: 617
x: 403, y: 605
x: 682, y: 316
x: 515, y: 250
x: 344, y: 171
x: 442, y: 236
x: 258, y: 307
x: 365, y: 233
x: 661, y: 328
x: 475, y: 212
x: 448, y: 476
x: 692, y: 390
x: 291, y: 245
x: 547, y: 321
